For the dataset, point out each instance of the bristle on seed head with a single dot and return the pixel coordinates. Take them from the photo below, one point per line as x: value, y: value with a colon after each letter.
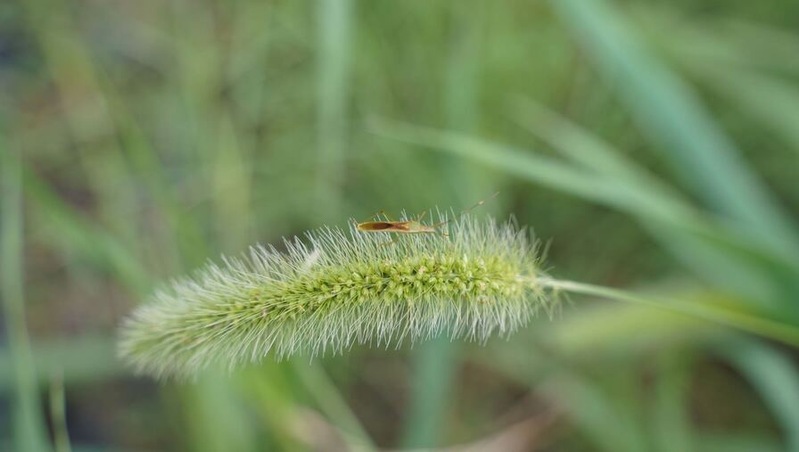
x: 338, y: 288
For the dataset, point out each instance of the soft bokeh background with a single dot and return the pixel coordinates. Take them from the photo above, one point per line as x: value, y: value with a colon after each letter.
x: 655, y: 145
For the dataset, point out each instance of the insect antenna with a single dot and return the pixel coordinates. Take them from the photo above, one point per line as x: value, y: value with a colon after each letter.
x: 467, y: 210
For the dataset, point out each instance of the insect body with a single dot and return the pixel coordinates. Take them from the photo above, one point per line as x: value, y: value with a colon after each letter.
x: 414, y: 226
x: 404, y: 227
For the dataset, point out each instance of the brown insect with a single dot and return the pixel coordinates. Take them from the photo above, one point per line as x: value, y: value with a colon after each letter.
x: 413, y: 226
x: 404, y: 227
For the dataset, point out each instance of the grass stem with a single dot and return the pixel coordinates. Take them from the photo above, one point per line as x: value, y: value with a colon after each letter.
x: 758, y: 325
x: 28, y: 424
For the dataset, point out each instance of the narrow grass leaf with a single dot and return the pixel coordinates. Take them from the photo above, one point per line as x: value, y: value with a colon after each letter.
x: 724, y: 313
x: 332, y: 403
x: 271, y: 389
x: 776, y: 377
x: 335, y: 19
x: 609, y: 426
x: 772, y: 102
x: 434, y: 370
x: 668, y: 111
x: 82, y: 360
x: 712, y: 250
x: 29, y: 433
x: 217, y: 418
x: 58, y: 414
x: 601, y: 158
x: 546, y: 171
x: 671, y: 408
x: 737, y: 442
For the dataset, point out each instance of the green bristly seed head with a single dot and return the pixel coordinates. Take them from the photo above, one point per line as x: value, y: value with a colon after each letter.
x: 336, y: 289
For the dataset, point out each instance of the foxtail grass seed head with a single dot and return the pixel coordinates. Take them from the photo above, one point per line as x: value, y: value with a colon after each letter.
x: 339, y: 288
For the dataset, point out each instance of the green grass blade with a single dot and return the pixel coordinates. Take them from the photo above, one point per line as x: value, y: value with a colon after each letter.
x: 435, y: 364
x: 776, y: 377
x: 771, y: 46
x: 548, y: 172
x: 672, y: 426
x: 723, y: 315
x: 331, y: 403
x: 727, y: 260
x: 608, y: 425
x: 716, y: 252
x: 529, y: 166
x: 217, y: 419
x: 271, y: 390
x: 610, y: 326
x: 774, y: 103
x: 596, y: 155
x: 601, y: 159
x: 335, y: 18
x: 673, y: 118
x: 737, y: 442
x: 28, y: 424
x: 58, y: 414
x: 640, y: 202
x: 462, y: 69
x: 729, y: 41
x: 85, y: 359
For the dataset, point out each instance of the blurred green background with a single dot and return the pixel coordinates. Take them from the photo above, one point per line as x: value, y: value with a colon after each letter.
x: 654, y: 145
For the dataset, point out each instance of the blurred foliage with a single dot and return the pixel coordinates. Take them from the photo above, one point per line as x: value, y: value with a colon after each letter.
x: 655, y: 144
